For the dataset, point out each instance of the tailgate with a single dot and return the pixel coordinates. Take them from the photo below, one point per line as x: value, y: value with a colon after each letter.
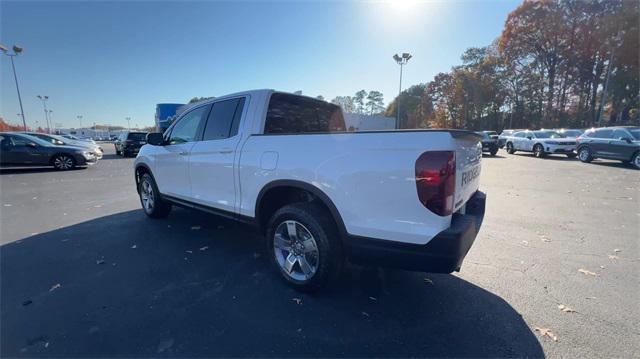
x: 468, y: 163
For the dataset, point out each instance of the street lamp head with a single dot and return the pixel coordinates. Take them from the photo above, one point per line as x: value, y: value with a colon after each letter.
x: 397, y: 58
x: 17, y: 49
x: 406, y: 56
x: 3, y: 48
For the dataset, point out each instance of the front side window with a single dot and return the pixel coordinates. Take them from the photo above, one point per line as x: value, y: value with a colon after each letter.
x: 297, y: 114
x: 223, y: 119
x: 186, y: 130
x: 519, y: 134
x: 619, y: 133
x: 635, y: 133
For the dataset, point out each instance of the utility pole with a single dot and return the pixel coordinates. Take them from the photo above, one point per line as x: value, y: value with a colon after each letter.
x: 16, y: 51
x: 401, y: 60
x: 46, y: 113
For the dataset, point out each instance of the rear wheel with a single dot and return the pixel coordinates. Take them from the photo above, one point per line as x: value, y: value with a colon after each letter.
x: 538, y: 151
x: 510, y: 149
x: 584, y: 154
x: 493, y: 152
x: 304, y: 246
x: 150, y: 200
x: 63, y: 162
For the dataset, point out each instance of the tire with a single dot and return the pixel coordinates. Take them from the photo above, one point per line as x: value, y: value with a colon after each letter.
x: 510, y: 149
x: 571, y: 155
x: 152, y: 204
x: 117, y: 151
x: 635, y: 161
x: 538, y: 151
x: 315, y: 256
x: 584, y: 154
x: 63, y: 162
x: 494, y: 152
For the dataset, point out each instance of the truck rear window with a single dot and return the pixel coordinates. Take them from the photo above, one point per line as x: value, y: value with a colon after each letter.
x: 297, y: 114
x: 137, y: 136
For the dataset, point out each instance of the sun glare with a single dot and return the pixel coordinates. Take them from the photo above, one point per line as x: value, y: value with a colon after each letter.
x: 402, y: 5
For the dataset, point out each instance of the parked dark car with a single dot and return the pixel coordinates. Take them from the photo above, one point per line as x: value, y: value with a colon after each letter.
x: 129, y: 143
x: 613, y: 143
x: 489, y: 144
x: 492, y: 134
x: 24, y: 150
x: 64, y: 141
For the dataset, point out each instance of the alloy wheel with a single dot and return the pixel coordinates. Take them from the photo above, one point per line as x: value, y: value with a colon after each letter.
x: 296, y: 250
x: 584, y: 154
x: 147, y: 196
x: 63, y: 162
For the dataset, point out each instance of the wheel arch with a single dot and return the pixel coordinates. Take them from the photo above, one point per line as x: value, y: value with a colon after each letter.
x: 141, y: 169
x: 56, y: 154
x: 263, y: 209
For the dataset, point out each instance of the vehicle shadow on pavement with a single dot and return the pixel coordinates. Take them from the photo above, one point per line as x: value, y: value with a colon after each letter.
x: 20, y: 170
x: 196, y: 285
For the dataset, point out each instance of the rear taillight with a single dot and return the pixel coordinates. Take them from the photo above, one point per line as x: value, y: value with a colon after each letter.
x: 436, y: 181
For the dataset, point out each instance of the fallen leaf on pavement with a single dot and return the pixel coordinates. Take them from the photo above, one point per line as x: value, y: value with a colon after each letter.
x: 584, y: 271
x: 195, y: 228
x: 566, y: 309
x: 601, y: 267
x: 204, y: 248
x: 190, y: 252
x: 134, y: 246
x: 617, y: 250
x: 373, y: 298
x: 611, y: 256
x: 56, y: 286
x: 366, y: 314
x: 545, y: 239
x: 526, y: 243
x: 546, y: 332
x: 427, y: 280
x: 100, y: 261
x: 297, y: 300
x: 27, y: 302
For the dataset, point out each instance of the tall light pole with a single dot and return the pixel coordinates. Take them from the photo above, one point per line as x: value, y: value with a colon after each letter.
x: 16, y: 51
x: 128, y: 122
x: 401, y: 60
x: 79, y: 117
x: 51, y: 119
x: 46, y: 113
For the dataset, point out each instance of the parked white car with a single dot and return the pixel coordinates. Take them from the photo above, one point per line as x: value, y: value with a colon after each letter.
x: 541, y: 143
x: 286, y: 164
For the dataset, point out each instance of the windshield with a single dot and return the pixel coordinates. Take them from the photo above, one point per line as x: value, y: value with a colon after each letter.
x: 484, y: 135
x: 635, y: 132
x: 547, y: 134
x: 572, y: 133
x: 491, y: 133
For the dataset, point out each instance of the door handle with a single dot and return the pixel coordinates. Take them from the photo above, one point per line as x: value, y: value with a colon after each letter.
x: 225, y: 150
x: 183, y: 153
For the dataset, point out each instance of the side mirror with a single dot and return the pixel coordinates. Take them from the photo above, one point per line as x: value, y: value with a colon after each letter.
x: 59, y: 142
x: 626, y: 139
x: 31, y: 144
x: 529, y: 138
x: 155, y: 139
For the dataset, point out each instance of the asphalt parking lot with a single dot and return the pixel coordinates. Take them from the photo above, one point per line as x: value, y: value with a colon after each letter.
x: 85, y: 273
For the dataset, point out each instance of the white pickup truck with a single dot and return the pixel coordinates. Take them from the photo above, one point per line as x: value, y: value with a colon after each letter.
x: 286, y: 164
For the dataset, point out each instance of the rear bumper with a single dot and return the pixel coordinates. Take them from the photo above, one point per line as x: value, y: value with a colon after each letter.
x: 443, y: 254
x: 489, y: 146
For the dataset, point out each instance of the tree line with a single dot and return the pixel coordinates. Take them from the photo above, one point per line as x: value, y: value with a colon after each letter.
x: 549, y: 68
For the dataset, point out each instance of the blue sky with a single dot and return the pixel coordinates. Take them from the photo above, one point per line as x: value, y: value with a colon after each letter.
x: 111, y: 60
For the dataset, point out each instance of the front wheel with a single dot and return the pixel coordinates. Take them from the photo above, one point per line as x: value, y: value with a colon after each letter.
x: 584, y: 154
x: 304, y: 246
x: 510, y: 149
x: 538, y: 151
x: 635, y: 160
x: 63, y: 162
x: 494, y: 152
x: 150, y: 200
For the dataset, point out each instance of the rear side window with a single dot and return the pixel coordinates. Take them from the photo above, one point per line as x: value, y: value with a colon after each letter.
x: 603, y: 133
x: 224, y: 119
x: 296, y: 114
x: 619, y: 133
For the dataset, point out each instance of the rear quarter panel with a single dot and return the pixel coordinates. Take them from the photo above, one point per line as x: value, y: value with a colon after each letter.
x: 370, y: 177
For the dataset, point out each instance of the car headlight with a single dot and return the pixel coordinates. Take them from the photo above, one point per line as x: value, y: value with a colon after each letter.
x: 87, y: 154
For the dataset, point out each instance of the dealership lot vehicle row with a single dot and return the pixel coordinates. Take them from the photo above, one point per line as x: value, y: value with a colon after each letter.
x: 82, y: 263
